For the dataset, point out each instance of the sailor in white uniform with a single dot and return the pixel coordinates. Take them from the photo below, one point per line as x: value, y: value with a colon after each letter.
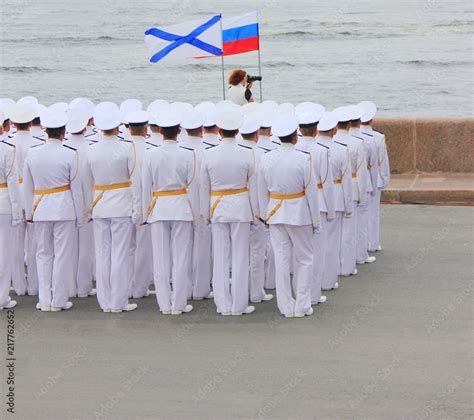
x: 84, y: 242
x: 113, y: 195
x: 308, y: 119
x: 358, y: 173
x: 362, y: 256
x: 36, y: 130
x: 201, y: 267
x: 264, y: 136
x: 24, y: 242
x: 210, y: 136
x: 287, y: 190
x: 10, y: 213
x: 156, y: 138
x: 168, y: 173
x: 226, y: 203
x: 54, y: 202
x: 141, y: 274
x: 341, y: 171
x: 383, y: 173
x: 258, y: 229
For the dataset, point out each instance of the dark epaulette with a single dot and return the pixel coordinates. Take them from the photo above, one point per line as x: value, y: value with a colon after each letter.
x: 93, y: 141
x: 365, y: 134
x: 122, y: 139
x: 357, y: 137
x: 273, y: 141
x: 380, y: 132
x: 69, y: 147
x: 36, y: 145
x: 187, y: 148
x: 247, y: 147
x: 302, y: 151
x: 263, y: 148
x: 91, y: 134
x: 209, y: 144
x: 151, y: 144
x: 342, y: 144
x: 327, y: 147
x: 39, y: 138
x: 12, y: 145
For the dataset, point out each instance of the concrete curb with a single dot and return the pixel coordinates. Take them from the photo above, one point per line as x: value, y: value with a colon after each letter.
x: 429, y: 196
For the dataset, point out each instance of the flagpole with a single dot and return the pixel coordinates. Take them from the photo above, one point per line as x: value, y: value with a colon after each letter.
x: 260, y: 73
x: 222, y: 64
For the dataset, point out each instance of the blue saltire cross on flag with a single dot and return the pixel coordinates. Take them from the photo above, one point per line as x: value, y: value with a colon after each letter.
x: 186, y: 40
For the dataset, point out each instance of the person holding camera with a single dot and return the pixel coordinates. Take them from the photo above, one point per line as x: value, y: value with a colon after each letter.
x: 240, y: 84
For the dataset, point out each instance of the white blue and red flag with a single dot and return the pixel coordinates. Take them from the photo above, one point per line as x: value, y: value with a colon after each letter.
x: 240, y: 34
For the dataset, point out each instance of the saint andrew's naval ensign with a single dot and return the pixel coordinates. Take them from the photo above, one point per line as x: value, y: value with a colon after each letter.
x: 186, y: 40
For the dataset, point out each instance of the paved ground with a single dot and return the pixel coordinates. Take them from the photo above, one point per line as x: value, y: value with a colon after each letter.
x: 431, y: 187
x: 394, y: 342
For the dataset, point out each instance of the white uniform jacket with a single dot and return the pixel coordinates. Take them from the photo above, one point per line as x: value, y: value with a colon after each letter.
x: 383, y: 165
x: 358, y: 164
x: 110, y: 162
x: 228, y: 167
x: 168, y: 168
x: 10, y: 200
x: 286, y: 171
x: 322, y: 171
x: 47, y: 167
x: 341, y: 171
x: 370, y: 156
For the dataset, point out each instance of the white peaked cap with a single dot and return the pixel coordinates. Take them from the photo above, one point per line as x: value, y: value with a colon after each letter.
x: 192, y: 120
x: 267, y: 118
x: 343, y: 113
x: 6, y: 104
x: 53, y: 119
x: 138, y: 117
x: 285, y: 125
x: 157, y: 105
x: 229, y: 119
x: 107, y: 116
x: 251, y: 108
x: 30, y: 100
x: 105, y: 106
x: 169, y: 118
x: 205, y: 106
x: 83, y: 104
x: 129, y: 105
x: 328, y: 121
x: 308, y: 117
x: 285, y: 109
x: 77, y: 120
x: 356, y: 112
x: 59, y: 107
x: 22, y: 113
x: 183, y: 108
x: 251, y: 124
x: 40, y: 108
x: 210, y: 120
x: 2, y: 117
x: 369, y: 109
x: 269, y: 105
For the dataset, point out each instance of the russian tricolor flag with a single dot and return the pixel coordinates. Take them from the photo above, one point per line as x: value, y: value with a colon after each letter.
x: 240, y: 34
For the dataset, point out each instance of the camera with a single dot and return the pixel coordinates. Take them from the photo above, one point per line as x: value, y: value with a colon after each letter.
x: 251, y: 79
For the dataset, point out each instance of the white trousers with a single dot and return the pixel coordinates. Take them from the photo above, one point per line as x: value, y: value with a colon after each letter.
x: 374, y: 221
x: 24, y: 251
x: 258, y: 248
x: 233, y: 237
x: 84, y: 260
x: 53, y: 260
x: 201, y: 267
x: 6, y: 252
x: 349, y: 243
x: 112, y: 250
x: 319, y: 258
x: 269, y: 262
x: 172, y: 254
x: 284, y: 238
x: 142, y: 261
x: 333, y: 252
x: 362, y: 230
